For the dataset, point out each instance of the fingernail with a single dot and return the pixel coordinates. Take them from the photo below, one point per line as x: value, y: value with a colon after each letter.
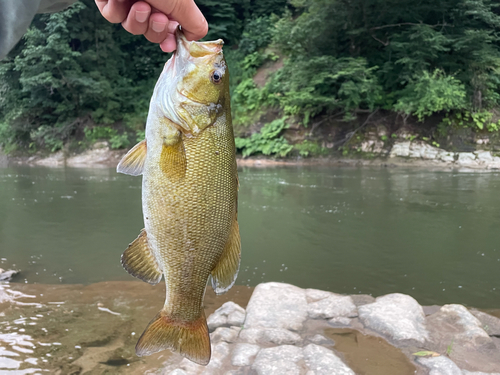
x: 141, y: 16
x: 158, y: 26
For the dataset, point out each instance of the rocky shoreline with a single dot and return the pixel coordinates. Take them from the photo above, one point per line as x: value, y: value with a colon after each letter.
x: 283, y: 329
x: 374, y: 153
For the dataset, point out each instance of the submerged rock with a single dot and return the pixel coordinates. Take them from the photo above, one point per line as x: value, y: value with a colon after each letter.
x: 6, y: 275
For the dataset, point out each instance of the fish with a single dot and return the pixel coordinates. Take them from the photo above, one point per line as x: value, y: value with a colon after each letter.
x: 189, y: 197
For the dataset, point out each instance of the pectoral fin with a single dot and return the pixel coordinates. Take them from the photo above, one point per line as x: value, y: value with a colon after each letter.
x: 225, y: 272
x: 173, y: 160
x: 133, y: 162
x: 139, y: 260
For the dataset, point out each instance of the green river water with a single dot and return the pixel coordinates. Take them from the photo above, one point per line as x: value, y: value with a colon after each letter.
x: 432, y: 234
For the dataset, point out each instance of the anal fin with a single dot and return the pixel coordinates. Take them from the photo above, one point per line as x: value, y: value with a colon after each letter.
x: 139, y: 260
x: 133, y: 161
x: 225, y: 272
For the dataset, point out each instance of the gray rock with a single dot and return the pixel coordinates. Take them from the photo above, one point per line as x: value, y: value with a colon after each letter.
x: 340, y: 322
x: 490, y: 324
x: 243, y: 354
x: 471, y: 327
x: 440, y: 366
x: 333, y: 306
x: 277, y: 305
x: 322, y: 361
x: 467, y: 159
x: 320, y: 340
x: 178, y: 371
x: 225, y: 334
x: 401, y: 149
x: 280, y: 360
x: 465, y: 372
x: 397, y: 316
x: 314, y: 295
x: 446, y: 156
x: 7, y: 274
x: 484, y: 156
x: 219, y: 353
x: 229, y: 314
x: 278, y: 336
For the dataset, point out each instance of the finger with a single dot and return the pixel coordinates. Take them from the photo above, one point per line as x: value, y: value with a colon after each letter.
x: 194, y: 24
x: 115, y: 11
x: 157, y: 28
x: 170, y: 44
x: 137, y: 20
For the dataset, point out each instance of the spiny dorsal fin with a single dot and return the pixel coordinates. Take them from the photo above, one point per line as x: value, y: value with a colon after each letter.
x: 189, y: 338
x: 140, y: 262
x: 133, y: 162
x: 225, y: 272
x: 173, y: 161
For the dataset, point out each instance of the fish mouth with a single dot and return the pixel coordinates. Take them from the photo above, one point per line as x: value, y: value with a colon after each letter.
x: 196, y: 49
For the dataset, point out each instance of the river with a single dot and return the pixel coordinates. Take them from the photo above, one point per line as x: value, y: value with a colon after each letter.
x: 431, y: 234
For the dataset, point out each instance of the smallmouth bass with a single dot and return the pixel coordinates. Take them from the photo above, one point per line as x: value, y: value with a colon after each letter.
x: 189, y: 197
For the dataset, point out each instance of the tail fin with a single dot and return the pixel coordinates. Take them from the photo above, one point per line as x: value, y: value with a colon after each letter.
x: 190, y: 339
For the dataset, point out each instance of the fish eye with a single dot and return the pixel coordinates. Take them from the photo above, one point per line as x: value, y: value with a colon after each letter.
x: 216, y: 77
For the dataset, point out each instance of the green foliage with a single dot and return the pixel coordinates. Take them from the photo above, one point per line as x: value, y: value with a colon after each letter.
x: 428, y: 93
x: 478, y: 121
x: 268, y: 141
x: 116, y: 140
x: 308, y: 148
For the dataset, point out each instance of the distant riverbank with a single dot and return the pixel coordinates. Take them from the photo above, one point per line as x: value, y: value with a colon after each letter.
x: 402, y: 154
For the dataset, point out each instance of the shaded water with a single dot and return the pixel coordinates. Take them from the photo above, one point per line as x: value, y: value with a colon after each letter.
x: 433, y: 235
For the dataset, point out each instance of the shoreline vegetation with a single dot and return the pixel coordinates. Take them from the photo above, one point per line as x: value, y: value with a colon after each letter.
x: 319, y: 79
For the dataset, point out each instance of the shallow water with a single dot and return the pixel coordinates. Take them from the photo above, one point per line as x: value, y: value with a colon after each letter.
x: 433, y: 235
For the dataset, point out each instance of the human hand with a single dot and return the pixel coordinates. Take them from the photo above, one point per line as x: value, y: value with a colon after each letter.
x: 157, y: 20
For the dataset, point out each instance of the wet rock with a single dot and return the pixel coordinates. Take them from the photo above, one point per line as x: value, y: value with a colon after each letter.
x: 278, y: 336
x: 401, y: 149
x: 440, y: 366
x: 7, y: 274
x: 229, y: 314
x: 244, y: 354
x: 333, y: 306
x: 489, y: 323
x: 225, y: 334
x: 280, y: 360
x: 322, y: 361
x: 397, y: 316
x: 277, y: 305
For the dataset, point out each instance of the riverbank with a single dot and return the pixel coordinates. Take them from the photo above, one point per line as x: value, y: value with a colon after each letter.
x: 273, y: 329
x: 416, y: 154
